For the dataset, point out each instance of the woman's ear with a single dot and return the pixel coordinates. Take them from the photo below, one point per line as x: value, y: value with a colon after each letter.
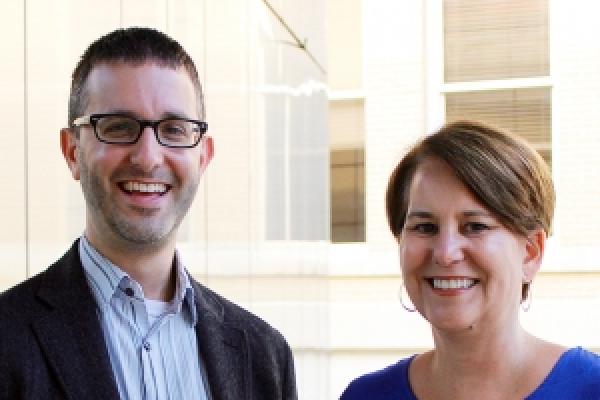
x: 534, y: 252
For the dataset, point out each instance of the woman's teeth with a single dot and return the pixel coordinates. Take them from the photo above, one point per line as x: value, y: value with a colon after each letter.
x: 463, y: 283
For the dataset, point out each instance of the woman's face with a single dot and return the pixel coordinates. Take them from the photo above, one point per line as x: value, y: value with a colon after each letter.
x: 461, y: 266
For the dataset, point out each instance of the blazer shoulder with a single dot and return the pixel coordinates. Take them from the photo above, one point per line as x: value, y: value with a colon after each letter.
x: 270, y: 357
x: 17, y: 302
x: 23, y: 300
x: 235, y: 315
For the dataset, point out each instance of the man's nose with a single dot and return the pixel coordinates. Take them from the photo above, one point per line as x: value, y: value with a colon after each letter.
x: 147, y: 153
x: 448, y: 248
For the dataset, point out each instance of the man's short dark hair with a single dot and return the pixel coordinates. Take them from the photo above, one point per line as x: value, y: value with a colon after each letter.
x: 133, y: 46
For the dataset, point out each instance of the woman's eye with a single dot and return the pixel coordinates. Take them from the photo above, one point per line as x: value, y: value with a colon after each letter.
x: 475, y: 227
x: 425, y: 228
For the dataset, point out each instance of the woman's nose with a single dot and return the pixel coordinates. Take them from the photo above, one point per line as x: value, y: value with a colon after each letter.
x: 448, y: 248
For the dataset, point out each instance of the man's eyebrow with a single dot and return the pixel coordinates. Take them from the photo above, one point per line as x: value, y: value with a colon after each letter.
x: 164, y: 115
x: 118, y: 111
x: 174, y: 114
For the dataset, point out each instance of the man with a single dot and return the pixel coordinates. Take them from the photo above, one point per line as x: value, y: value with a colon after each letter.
x: 118, y: 316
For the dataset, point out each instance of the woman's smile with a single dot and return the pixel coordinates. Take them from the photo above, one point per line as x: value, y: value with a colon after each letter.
x: 451, y: 286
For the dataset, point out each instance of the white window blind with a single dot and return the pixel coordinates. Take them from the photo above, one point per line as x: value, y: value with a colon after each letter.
x: 525, y: 111
x: 504, y: 42
x: 495, y: 39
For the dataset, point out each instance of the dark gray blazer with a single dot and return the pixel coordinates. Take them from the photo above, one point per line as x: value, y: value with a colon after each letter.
x: 52, y: 347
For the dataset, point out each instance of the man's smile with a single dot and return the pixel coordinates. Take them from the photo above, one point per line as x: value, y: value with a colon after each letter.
x: 132, y: 187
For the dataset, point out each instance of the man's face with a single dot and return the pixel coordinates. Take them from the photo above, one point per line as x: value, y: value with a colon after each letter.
x: 136, y: 194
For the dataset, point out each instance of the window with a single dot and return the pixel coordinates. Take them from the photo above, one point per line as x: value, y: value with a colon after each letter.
x: 496, y: 66
x: 347, y: 170
x: 347, y: 195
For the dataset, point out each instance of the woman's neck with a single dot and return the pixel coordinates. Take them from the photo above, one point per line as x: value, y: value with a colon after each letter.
x: 481, y: 348
x: 488, y: 364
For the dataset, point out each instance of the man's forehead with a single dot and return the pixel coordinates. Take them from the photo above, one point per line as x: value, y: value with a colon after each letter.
x: 148, y: 85
x: 148, y: 72
x: 134, y: 66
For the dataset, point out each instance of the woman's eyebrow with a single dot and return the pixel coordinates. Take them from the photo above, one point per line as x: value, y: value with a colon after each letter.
x: 476, y: 213
x: 419, y: 214
x: 467, y: 213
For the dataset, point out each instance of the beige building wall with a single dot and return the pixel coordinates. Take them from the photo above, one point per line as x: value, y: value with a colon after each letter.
x: 12, y: 241
x: 575, y: 66
x: 258, y: 230
x: 345, y: 39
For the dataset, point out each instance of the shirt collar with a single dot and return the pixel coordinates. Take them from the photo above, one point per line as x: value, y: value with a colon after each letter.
x: 108, y: 280
x: 184, y: 292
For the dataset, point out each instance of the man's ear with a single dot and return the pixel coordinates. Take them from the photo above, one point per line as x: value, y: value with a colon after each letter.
x: 534, y: 252
x: 206, y: 153
x: 68, y: 145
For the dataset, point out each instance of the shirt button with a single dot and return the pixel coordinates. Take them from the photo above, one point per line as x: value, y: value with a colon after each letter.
x: 129, y: 292
x: 146, y: 345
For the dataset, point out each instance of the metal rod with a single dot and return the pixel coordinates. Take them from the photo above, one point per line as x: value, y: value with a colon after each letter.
x: 301, y: 44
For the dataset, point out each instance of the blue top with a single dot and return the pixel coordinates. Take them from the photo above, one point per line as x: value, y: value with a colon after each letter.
x: 576, y: 376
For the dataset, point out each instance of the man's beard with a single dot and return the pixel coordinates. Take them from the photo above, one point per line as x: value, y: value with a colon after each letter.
x: 152, y: 230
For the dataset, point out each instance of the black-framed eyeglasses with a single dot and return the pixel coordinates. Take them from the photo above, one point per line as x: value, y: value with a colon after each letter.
x: 123, y: 129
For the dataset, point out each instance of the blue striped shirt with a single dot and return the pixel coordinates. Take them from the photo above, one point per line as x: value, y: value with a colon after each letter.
x: 152, y: 345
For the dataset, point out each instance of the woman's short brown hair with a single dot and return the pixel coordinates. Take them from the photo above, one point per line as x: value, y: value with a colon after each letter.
x: 503, y: 172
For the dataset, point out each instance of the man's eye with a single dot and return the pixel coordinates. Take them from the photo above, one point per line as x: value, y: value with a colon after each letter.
x: 118, y: 130
x: 426, y: 228
x: 118, y: 127
x: 173, y: 130
x: 475, y: 227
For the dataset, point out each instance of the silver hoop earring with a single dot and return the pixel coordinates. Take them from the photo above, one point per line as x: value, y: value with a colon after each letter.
x: 526, y: 301
x: 401, y: 296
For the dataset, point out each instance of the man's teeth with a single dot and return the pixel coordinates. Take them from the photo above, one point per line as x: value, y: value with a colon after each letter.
x: 145, y: 187
x: 453, y: 283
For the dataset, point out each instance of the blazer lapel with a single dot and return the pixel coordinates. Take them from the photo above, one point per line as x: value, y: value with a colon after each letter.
x: 70, y: 334
x: 223, y: 350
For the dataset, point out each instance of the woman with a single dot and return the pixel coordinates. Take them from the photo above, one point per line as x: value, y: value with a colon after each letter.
x: 471, y: 208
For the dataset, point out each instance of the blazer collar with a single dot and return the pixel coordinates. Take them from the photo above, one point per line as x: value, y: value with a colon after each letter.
x: 223, y: 348
x: 71, y: 337
x: 70, y: 334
